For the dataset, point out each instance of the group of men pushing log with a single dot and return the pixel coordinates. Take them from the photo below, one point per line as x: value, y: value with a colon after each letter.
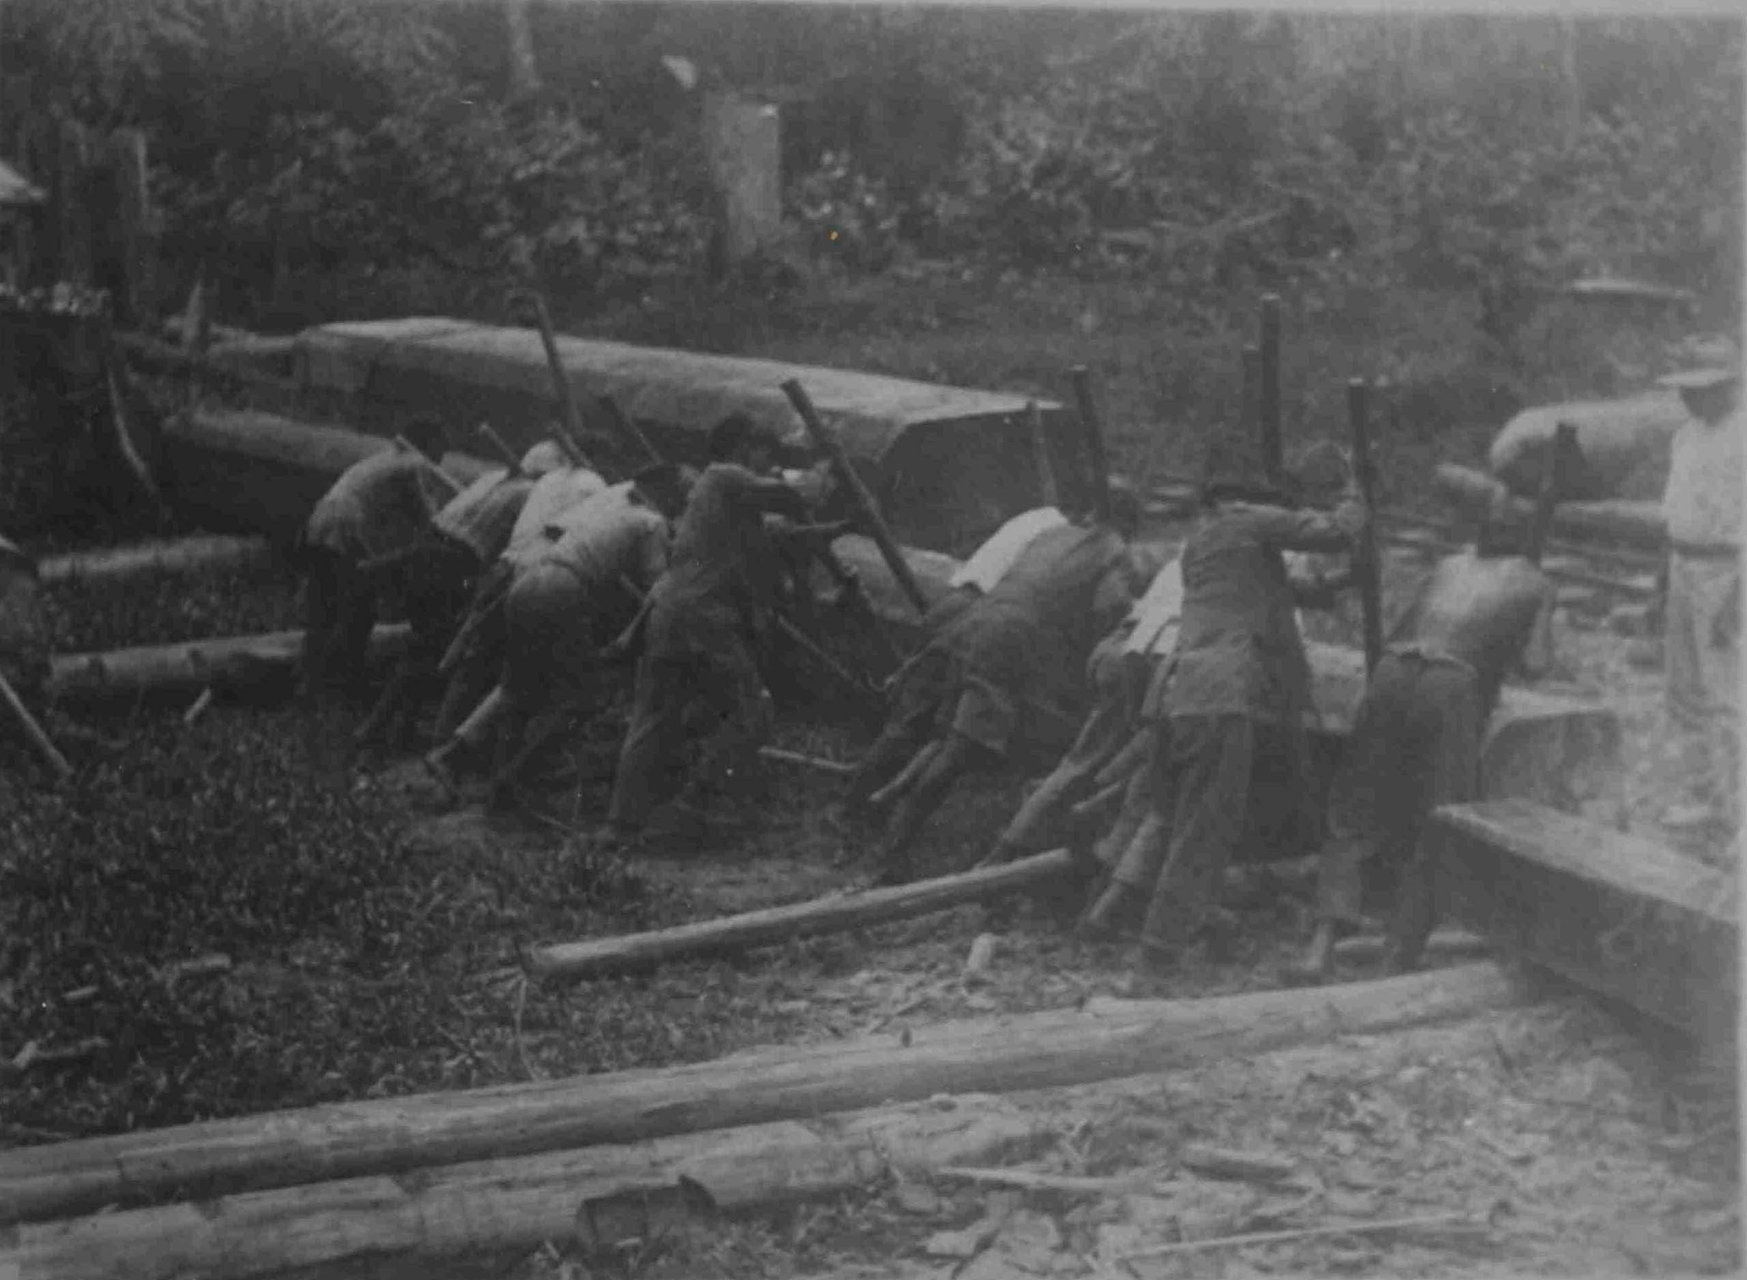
x: 527, y: 588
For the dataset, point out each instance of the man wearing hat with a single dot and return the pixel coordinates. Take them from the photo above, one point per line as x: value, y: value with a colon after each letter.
x: 1702, y: 511
x: 701, y: 636
x: 1416, y: 737
x: 563, y: 608
x: 1230, y: 704
x: 378, y: 507
x: 998, y: 674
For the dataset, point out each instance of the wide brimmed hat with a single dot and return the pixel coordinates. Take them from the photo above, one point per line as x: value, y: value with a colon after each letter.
x: 1700, y: 379
x: 1319, y: 466
x: 544, y: 458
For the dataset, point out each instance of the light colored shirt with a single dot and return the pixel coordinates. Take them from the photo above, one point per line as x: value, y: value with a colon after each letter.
x: 1702, y: 503
x: 553, y: 494
x: 1155, y: 617
x: 991, y: 561
x: 611, y: 535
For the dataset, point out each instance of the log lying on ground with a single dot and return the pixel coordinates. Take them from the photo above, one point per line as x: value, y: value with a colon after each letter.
x: 230, y: 662
x: 598, y: 1196
x: 180, y: 555
x: 1001, y: 1055
x: 1611, y: 912
x: 1634, y: 523
x: 777, y: 925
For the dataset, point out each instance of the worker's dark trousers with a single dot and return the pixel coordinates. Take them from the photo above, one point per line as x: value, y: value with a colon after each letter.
x: 1415, y: 745
x: 339, y: 609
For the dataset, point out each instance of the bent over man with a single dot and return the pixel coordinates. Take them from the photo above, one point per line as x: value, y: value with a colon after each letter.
x: 1416, y: 740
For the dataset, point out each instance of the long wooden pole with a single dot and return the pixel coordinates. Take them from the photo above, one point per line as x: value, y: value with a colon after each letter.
x: 999, y: 1055
x: 182, y: 555
x: 832, y: 448
x: 572, y: 418
x: 34, y: 731
x: 629, y: 431
x: 595, y: 1197
x: 777, y: 925
x: 1047, y: 491
x: 1092, y: 424
x: 498, y: 445
x: 1368, y: 564
x: 1268, y: 393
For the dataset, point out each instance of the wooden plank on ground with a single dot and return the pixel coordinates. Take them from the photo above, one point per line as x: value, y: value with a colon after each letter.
x: 1614, y: 913
x: 989, y: 1055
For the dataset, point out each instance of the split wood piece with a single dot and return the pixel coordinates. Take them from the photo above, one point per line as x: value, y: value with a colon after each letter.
x: 32, y: 1055
x: 39, y: 738
x: 597, y: 1197
x: 234, y: 661
x: 180, y: 555
x: 198, y: 707
x: 1636, y: 524
x: 832, y: 448
x: 835, y: 767
x: 778, y: 925
x: 1297, y: 1233
x: 1447, y: 944
x: 1000, y: 1055
x: 1219, y: 1162
x: 1611, y: 912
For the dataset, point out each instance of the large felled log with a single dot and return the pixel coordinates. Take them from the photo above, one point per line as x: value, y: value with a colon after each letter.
x: 777, y: 925
x: 598, y: 1196
x: 1611, y: 912
x: 1030, y: 1051
x: 1623, y: 446
x: 261, y: 473
x: 1635, y: 523
x: 231, y: 662
x: 180, y: 555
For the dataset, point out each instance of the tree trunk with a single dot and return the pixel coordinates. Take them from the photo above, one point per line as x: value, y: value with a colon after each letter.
x: 597, y: 1197
x: 524, y: 83
x: 1000, y: 1055
x: 181, y: 555
x: 777, y: 925
x: 235, y: 661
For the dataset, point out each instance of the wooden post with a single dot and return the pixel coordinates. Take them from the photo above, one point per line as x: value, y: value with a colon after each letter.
x: 1268, y: 392
x: 882, y: 535
x: 572, y: 419
x: 70, y: 196
x: 1557, y: 459
x: 1368, y: 564
x: 1092, y: 425
x: 1046, y: 485
x: 629, y: 431
x: 1251, y: 391
x: 127, y: 167
x: 500, y: 447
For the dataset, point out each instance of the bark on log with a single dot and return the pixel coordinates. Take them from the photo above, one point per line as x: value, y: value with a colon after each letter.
x: 597, y: 1196
x: 777, y: 925
x: 1002, y: 1055
x: 181, y: 555
x: 231, y: 662
x: 1637, y: 524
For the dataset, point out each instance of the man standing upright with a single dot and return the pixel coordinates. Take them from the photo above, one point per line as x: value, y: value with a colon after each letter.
x: 1702, y: 510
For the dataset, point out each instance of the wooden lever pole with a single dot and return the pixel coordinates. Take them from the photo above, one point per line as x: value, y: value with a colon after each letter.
x: 1370, y: 574
x: 1093, y: 426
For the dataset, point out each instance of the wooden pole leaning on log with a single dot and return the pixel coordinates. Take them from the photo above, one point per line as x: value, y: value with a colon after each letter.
x: 1092, y: 425
x: 629, y: 431
x: 33, y: 731
x: 596, y: 1198
x: 498, y: 445
x: 1049, y: 495
x: 450, y: 485
x: 1368, y: 564
x: 775, y: 926
x: 1001, y: 1055
x: 571, y: 420
x: 832, y: 448
x: 1268, y: 392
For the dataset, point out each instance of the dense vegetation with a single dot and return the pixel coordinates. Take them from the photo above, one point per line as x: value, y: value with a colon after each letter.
x: 332, y: 158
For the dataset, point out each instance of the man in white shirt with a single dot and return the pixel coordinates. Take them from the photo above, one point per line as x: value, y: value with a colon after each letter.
x: 1702, y: 512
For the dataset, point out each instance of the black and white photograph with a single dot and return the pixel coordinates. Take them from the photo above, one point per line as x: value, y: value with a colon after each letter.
x: 928, y: 640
